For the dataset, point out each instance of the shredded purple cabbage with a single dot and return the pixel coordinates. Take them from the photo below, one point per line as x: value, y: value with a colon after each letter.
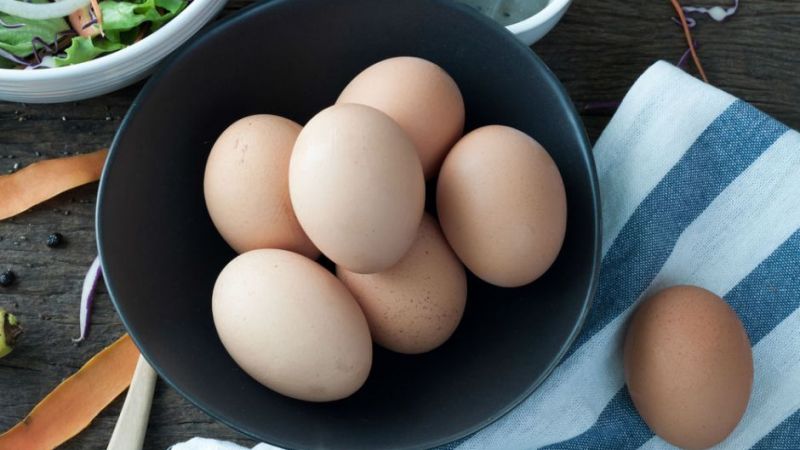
x: 11, y: 26
x: 87, y: 297
x: 685, y: 57
x: 718, y: 13
x: 689, y: 22
x: 41, y: 48
x: 92, y: 19
x: 600, y: 107
x: 44, y: 47
x: 90, y: 23
x: 13, y: 58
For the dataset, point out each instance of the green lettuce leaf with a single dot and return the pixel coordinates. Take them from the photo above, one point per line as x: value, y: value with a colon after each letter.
x: 84, y: 49
x: 18, y: 40
x: 123, y: 15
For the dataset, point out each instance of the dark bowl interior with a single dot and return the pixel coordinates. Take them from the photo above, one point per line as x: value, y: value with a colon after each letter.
x: 161, y: 254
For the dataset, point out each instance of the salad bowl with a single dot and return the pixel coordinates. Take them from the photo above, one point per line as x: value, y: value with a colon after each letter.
x: 109, y: 72
x: 536, y: 26
x: 529, y: 20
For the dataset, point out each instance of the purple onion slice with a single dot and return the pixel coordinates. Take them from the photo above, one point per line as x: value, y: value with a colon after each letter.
x: 87, y: 297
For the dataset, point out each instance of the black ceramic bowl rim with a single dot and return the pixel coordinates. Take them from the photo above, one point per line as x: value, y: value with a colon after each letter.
x: 572, y: 117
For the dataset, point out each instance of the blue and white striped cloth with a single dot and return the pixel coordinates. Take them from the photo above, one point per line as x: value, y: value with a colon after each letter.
x: 698, y: 188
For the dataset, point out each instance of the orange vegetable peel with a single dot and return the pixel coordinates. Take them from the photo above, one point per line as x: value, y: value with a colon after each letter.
x: 75, y: 402
x: 98, y: 13
x: 689, y: 40
x: 44, y: 180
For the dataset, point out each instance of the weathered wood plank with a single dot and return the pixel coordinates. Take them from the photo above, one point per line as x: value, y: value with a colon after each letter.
x: 600, y: 47
x: 597, y: 51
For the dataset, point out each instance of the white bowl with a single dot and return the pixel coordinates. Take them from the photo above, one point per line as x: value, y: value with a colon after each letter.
x: 536, y: 26
x: 110, y: 72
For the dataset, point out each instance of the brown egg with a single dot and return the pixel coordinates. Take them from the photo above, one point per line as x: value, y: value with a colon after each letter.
x: 502, y: 205
x: 247, y: 189
x: 418, y: 95
x: 292, y: 326
x: 689, y: 366
x: 357, y: 187
x: 416, y: 305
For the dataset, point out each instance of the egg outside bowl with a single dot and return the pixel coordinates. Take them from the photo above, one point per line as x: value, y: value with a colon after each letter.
x: 161, y: 253
x: 110, y: 72
x: 536, y: 26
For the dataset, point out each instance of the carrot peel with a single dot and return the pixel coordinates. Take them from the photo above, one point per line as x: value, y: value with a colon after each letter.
x: 76, y: 401
x: 44, y: 180
x: 98, y: 14
x: 688, y: 34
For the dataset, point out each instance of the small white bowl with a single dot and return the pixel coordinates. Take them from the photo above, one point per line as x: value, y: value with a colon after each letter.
x: 536, y: 26
x: 110, y: 72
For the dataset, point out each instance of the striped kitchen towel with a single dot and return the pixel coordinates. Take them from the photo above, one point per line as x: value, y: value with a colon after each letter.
x: 697, y: 188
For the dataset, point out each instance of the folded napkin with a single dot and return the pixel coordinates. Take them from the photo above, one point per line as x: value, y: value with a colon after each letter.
x: 697, y: 188
x: 199, y: 443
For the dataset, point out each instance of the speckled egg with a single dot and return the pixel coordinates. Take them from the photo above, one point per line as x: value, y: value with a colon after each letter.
x: 416, y: 305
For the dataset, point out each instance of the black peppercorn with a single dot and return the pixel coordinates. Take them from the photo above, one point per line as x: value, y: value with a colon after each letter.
x: 55, y: 240
x: 7, y: 278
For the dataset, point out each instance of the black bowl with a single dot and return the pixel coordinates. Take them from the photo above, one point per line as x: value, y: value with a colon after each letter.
x: 161, y: 253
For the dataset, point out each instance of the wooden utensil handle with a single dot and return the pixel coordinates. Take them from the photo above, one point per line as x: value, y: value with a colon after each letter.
x: 131, y: 426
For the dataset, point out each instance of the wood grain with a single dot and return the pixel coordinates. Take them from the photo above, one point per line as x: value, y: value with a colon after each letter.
x: 129, y: 432
x: 598, y: 50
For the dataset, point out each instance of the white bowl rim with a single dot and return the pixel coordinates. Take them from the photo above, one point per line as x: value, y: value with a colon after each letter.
x: 547, y: 13
x: 151, y: 41
x: 125, y: 55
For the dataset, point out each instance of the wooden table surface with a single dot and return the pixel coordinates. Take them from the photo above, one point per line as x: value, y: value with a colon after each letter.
x: 597, y: 51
